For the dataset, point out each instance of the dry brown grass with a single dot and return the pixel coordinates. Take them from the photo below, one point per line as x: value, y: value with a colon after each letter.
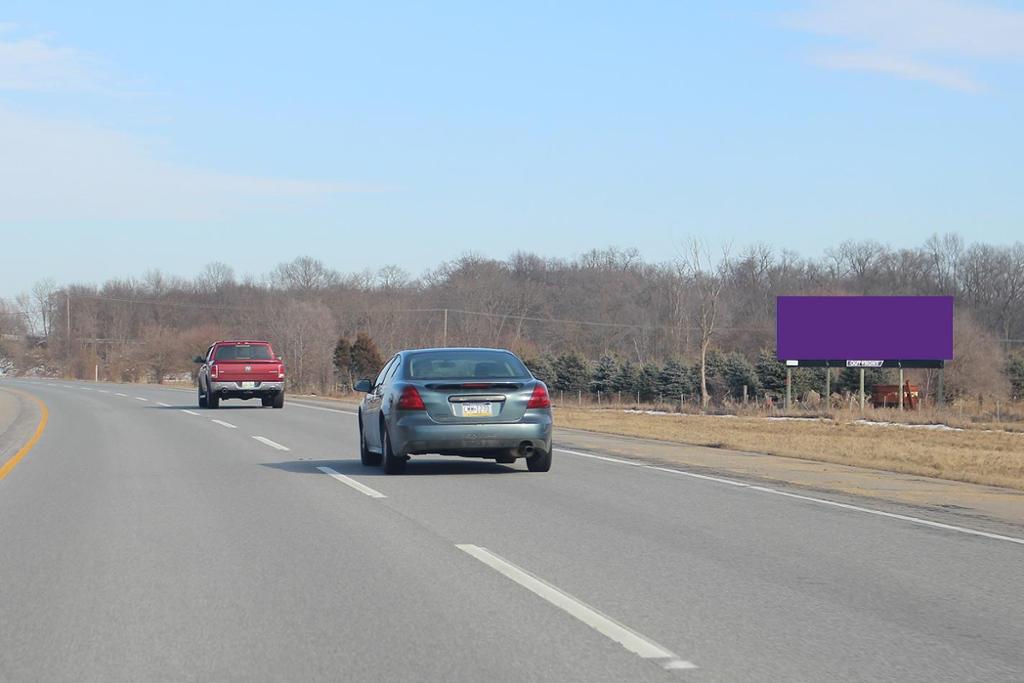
x: 973, y: 455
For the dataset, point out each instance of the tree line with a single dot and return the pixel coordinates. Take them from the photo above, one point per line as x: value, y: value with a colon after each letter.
x: 702, y: 323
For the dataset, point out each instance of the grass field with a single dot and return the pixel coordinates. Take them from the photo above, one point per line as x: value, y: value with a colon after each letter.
x: 973, y: 454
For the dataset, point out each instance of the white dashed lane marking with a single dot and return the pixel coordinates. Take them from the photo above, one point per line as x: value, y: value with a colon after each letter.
x: 272, y: 444
x: 636, y: 643
x: 349, y: 481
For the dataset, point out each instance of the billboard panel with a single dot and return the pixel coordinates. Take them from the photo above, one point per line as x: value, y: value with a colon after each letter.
x: 864, y: 328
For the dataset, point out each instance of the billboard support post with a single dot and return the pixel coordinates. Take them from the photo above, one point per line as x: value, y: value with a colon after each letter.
x: 941, y: 397
x: 862, y: 390
x: 901, y: 387
x: 828, y: 386
x: 789, y: 387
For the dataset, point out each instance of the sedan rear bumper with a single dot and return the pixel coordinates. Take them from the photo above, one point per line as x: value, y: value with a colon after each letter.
x: 415, y: 433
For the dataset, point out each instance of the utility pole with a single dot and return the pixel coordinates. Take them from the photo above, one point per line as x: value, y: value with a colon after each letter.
x: 67, y: 350
x: 445, y: 338
x: 828, y: 386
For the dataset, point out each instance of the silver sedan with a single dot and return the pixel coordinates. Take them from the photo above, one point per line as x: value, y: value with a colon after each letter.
x: 481, y: 403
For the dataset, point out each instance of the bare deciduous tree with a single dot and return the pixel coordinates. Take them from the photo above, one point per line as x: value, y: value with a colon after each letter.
x: 707, y: 280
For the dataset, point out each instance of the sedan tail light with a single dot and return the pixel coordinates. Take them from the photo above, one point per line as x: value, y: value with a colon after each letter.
x: 539, y: 398
x: 410, y: 400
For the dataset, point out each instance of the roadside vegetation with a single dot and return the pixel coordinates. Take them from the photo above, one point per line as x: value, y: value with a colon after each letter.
x: 981, y: 453
x: 694, y: 332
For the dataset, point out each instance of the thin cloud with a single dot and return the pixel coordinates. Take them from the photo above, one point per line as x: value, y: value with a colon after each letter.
x: 35, y: 64
x: 61, y: 170
x: 900, y: 67
x: 934, y: 41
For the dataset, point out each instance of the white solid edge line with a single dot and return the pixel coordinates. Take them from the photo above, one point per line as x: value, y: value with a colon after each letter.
x: 349, y: 481
x: 636, y: 643
x: 190, y: 412
x: 139, y: 398
x: 811, y: 499
x: 326, y: 410
x: 272, y: 444
x: 222, y: 423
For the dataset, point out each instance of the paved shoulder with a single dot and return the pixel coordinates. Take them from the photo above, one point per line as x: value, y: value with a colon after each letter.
x: 19, y: 416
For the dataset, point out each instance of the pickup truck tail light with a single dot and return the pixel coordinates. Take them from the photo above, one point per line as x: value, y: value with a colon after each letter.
x: 214, y: 371
x: 539, y: 398
x: 280, y: 371
x: 410, y: 400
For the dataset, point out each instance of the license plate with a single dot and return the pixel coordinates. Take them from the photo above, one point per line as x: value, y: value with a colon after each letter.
x: 248, y: 385
x: 476, y: 409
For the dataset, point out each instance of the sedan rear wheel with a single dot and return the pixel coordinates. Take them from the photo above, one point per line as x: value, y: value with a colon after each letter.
x: 540, y: 461
x: 366, y: 456
x: 393, y: 463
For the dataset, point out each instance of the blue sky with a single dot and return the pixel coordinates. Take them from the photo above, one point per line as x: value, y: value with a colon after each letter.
x: 136, y: 137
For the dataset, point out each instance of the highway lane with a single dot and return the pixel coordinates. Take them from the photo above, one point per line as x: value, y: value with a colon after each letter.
x: 145, y: 541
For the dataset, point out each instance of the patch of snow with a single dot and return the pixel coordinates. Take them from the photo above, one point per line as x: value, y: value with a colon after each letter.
x: 904, y: 425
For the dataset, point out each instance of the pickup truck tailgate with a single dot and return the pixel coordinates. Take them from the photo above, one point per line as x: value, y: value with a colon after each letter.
x: 249, y: 371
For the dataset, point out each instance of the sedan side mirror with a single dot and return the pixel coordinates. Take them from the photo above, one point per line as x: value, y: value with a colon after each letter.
x: 199, y: 359
x: 364, y: 385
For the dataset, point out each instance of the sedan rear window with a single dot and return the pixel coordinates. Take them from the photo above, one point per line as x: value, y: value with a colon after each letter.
x: 459, y: 364
x: 243, y: 352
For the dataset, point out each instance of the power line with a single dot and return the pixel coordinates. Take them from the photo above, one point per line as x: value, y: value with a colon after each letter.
x: 380, y: 311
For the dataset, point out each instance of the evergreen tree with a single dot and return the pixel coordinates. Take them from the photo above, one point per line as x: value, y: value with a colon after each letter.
x: 543, y: 368
x: 808, y: 379
x: 627, y: 380
x: 573, y: 372
x: 771, y: 373
x: 647, y: 382
x: 366, y: 358
x: 343, y: 362
x: 605, y: 373
x: 849, y: 379
x: 1015, y: 370
x: 737, y: 372
x: 675, y: 380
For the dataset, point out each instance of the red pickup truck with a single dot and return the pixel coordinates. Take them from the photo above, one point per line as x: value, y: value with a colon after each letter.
x: 240, y: 369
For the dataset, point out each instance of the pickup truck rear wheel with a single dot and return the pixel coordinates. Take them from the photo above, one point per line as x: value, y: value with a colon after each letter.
x: 212, y: 401
x: 278, y: 400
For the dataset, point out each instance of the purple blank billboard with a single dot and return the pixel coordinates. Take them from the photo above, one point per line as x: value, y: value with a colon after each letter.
x: 864, y: 327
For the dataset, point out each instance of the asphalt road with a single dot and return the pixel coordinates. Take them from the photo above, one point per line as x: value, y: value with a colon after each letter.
x: 139, y: 541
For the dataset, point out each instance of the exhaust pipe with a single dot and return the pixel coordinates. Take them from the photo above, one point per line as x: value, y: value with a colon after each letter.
x: 526, y: 449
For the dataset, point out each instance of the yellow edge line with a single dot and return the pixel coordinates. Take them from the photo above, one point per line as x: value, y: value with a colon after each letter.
x: 6, y: 468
